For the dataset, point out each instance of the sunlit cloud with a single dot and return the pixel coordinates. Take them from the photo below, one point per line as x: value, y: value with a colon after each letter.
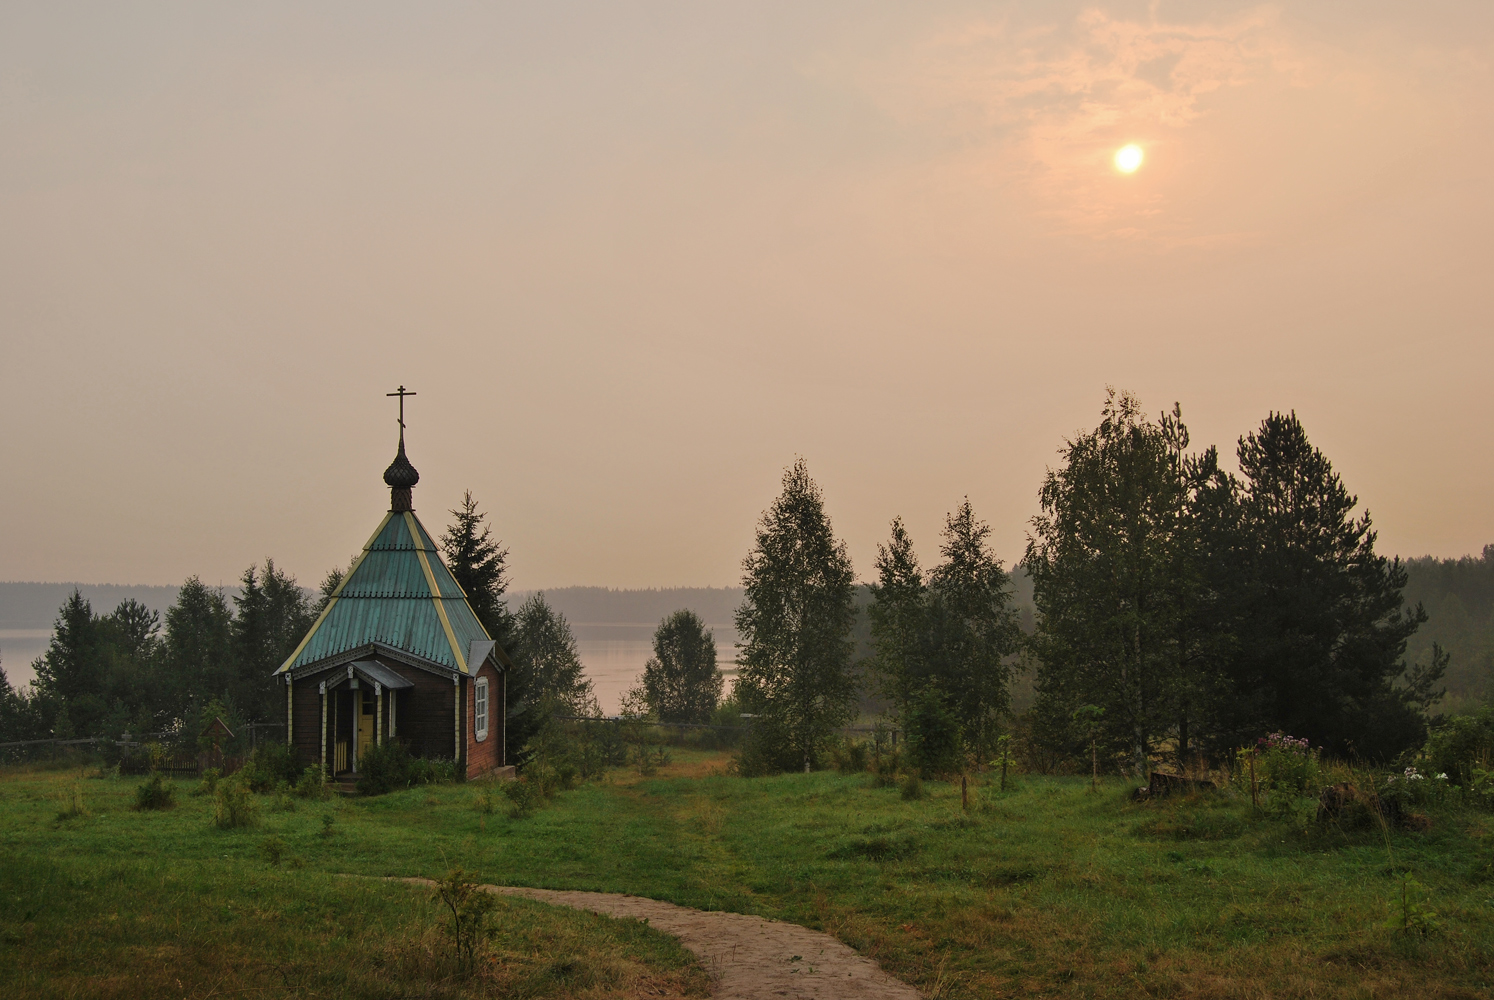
x: 1051, y: 104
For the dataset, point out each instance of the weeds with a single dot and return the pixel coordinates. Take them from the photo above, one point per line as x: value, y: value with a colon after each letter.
x: 273, y: 849
x: 155, y: 794
x: 1411, y: 911
x: 210, y: 778
x: 911, y: 788
x: 469, y: 906
x: 328, y: 825
x: 233, y: 805
x: 71, y: 804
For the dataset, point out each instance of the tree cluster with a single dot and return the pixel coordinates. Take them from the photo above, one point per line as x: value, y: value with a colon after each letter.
x: 127, y: 671
x: 1197, y: 609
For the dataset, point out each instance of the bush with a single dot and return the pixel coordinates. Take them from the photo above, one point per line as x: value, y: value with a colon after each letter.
x: 273, y: 848
x: 210, y: 778
x: 910, y: 787
x: 270, y: 765
x: 313, y: 783
x: 886, y: 759
x: 382, y: 769
x: 155, y: 794
x: 525, y: 796
x: 934, y: 738
x: 768, y: 749
x: 1461, y: 745
x: 1287, y: 766
x: 233, y: 805
x: 849, y: 756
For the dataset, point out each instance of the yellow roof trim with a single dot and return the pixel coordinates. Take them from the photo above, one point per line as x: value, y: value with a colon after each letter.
x: 333, y: 599
x: 430, y: 579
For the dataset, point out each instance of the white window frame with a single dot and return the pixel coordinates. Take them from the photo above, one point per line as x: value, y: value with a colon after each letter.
x: 480, y: 709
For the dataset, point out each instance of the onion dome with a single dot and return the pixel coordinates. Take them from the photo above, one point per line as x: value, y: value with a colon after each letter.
x: 401, y: 478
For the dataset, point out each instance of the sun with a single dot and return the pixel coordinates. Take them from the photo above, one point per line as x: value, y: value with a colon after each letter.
x: 1128, y: 158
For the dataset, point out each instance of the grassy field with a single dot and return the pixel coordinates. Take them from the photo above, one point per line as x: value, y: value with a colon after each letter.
x: 1047, y: 890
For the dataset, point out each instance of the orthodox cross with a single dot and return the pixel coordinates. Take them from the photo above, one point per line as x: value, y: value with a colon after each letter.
x: 401, y: 394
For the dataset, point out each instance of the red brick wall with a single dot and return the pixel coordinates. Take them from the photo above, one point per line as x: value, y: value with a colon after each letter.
x: 487, y: 754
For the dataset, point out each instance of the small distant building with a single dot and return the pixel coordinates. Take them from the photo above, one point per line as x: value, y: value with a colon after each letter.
x: 397, y: 655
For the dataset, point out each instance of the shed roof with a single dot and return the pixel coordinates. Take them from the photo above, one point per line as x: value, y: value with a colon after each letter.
x: 400, y: 594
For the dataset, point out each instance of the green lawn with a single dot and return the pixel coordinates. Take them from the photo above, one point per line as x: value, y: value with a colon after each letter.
x: 1046, y: 890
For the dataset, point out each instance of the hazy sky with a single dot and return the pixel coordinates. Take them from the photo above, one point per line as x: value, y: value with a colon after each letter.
x: 636, y: 257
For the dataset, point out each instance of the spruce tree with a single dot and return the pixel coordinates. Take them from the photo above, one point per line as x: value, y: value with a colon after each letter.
x: 198, y: 649
x: 479, y: 564
x: 973, y: 629
x: 681, y: 682
x: 273, y: 615
x: 795, y: 622
x: 899, y: 623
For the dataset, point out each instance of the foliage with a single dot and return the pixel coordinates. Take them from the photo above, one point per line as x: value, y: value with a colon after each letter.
x: 795, y: 622
x: 1107, y: 560
x: 681, y: 682
x: 480, y: 566
x: 526, y: 794
x: 1198, y: 608
x: 910, y: 789
x: 469, y: 907
x: 389, y: 766
x: 954, y: 632
x: 234, y: 805
x: 270, y: 765
x: 1005, y: 757
x: 1458, y: 595
x: 546, y: 661
x: 209, y: 784
x: 155, y: 793
x: 312, y: 784
x: 272, y: 614
x: 935, y: 743
x: 850, y: 755
x: 1287, y: 765
x: 1459, y: 745
x: 1321, y: 625
x: 1411, y: 911
x: 273, y: 849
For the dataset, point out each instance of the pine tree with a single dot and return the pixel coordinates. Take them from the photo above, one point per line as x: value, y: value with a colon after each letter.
x: 795, y: 622
x: 479, y: 564
x: 681, y: 682
x: 1322, y: 622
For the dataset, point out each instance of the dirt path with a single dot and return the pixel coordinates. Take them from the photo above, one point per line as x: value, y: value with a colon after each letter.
x: 748, y: 958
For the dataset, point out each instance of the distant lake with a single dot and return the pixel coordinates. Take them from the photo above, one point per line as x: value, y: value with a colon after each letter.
x: 18, y: 647
x: 613, y: 654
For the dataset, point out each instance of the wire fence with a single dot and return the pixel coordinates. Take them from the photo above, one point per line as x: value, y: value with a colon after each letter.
x: 173, y: 752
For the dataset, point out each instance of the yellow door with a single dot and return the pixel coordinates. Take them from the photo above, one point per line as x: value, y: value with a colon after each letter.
x: 365, y: 722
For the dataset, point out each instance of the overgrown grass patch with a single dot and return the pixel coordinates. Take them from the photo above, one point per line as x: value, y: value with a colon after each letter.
x: 1048, y: 889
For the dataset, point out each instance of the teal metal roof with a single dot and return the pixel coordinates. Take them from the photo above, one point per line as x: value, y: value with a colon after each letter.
x: 399, y: 594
